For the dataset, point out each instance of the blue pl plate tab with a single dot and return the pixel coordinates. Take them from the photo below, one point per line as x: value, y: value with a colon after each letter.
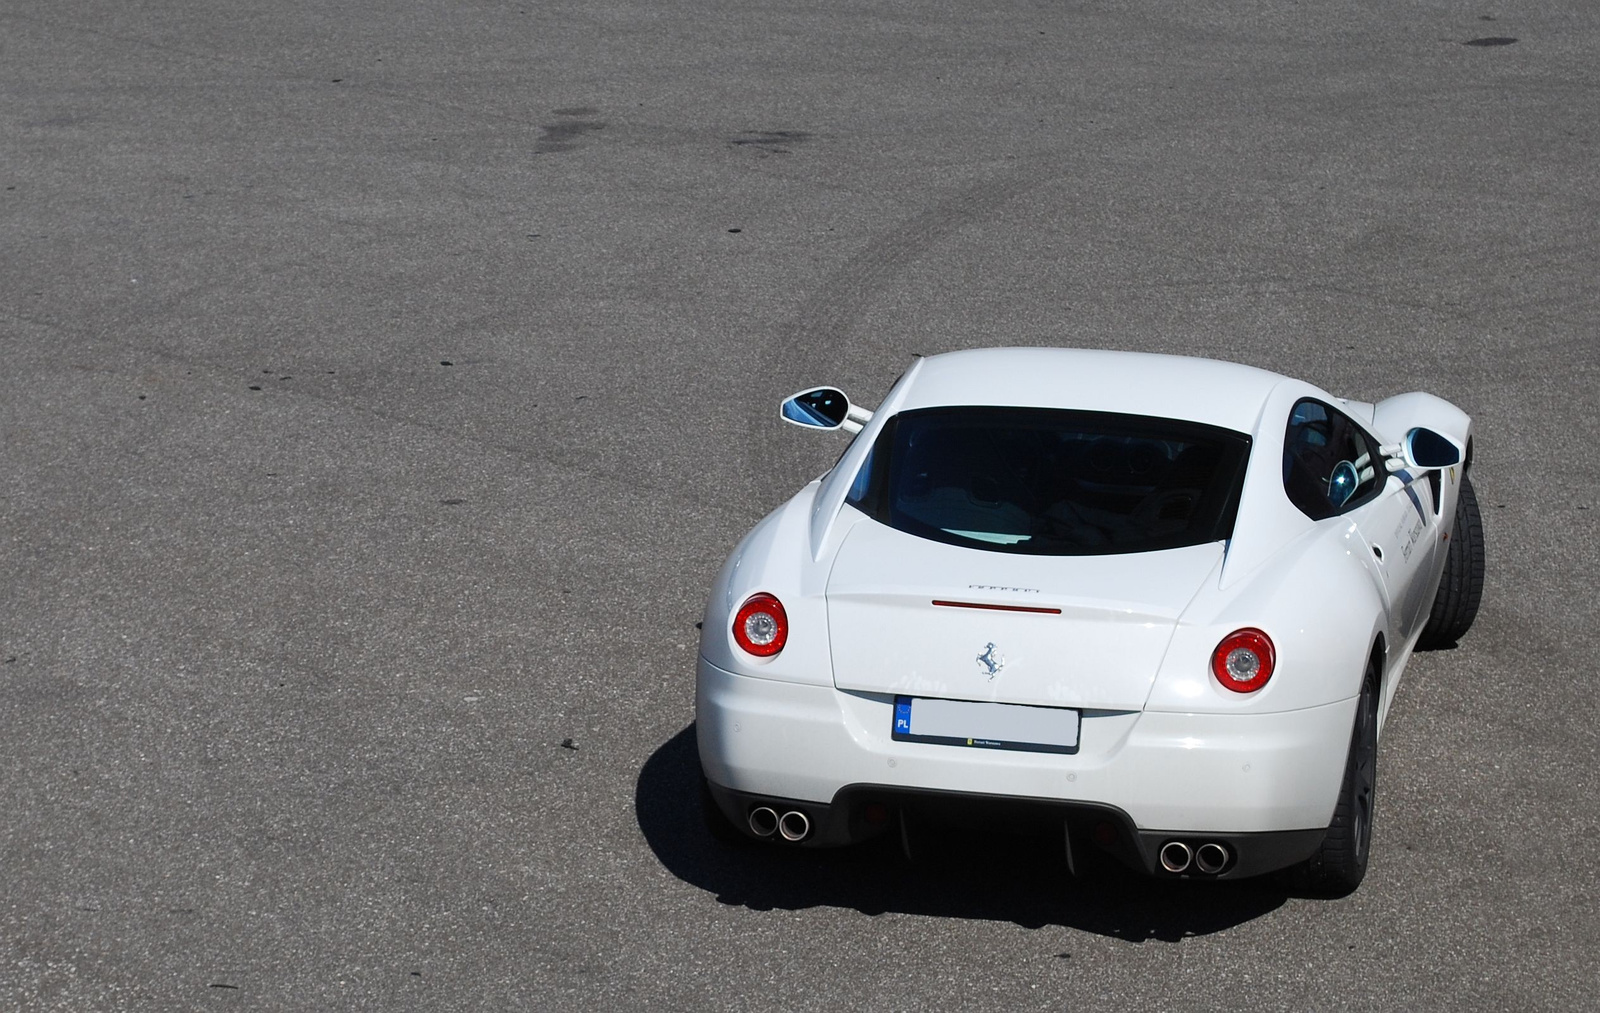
x: 902, y: 717
x: 983, y: 725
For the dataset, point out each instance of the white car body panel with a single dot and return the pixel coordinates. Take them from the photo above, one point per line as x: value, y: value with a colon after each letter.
x: 1102, y: 650
x: 1220, y: 773
x: 1131, y: 383
x: 1393, y: 417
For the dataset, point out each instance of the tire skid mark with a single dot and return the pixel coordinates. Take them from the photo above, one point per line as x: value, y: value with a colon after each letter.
x: 827, y: 319
x: 462, y: 112
x: 819, y: 331
x: 529, y: 454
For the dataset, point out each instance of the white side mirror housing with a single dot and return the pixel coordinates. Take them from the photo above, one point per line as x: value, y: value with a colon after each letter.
x: 823, y: 408
x: 1427, y: 450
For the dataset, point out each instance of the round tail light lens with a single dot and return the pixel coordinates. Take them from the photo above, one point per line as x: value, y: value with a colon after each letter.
x: 1244, y: 661
x: 761, y: 627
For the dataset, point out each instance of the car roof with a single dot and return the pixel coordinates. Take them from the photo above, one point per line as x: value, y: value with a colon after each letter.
x: 1135, y: 383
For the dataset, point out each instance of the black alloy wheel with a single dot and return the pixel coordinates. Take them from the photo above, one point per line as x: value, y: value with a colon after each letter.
x: 1339, y: 865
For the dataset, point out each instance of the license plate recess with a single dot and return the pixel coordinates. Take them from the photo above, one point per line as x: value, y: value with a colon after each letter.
x: 985, y: 725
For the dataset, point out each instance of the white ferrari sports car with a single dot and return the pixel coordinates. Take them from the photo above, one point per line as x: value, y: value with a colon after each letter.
x: 1160, y: 602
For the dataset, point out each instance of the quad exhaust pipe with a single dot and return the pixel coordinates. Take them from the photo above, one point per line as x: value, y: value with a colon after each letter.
x: 763, y: 821
x: 1176, y: 856
x: 793, y: 826
x: 1208, y: 859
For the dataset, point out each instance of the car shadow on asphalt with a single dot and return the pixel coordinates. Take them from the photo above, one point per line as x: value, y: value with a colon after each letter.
x: 991, y: 877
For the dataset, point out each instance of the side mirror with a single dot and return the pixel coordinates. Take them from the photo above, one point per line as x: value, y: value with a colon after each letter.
x: 1428, y: 450
x: 824, y: 408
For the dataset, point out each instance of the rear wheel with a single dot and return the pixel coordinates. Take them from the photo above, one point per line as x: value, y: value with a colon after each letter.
x: 1340, y: 863
x: 1461, y: 584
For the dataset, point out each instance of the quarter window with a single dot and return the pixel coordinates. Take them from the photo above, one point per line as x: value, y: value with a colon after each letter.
x: 1330, y: 465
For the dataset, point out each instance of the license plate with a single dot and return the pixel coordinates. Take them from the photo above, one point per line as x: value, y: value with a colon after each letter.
x: 986, y: 725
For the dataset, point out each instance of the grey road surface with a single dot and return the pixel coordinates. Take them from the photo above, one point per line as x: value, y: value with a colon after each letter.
x: 381, y: 386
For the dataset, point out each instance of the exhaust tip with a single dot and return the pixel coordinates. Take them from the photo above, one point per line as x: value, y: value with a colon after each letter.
x: 1175, y: 856
x: 794, y: 825
x: 763, y: 821
x: 1211, y: 858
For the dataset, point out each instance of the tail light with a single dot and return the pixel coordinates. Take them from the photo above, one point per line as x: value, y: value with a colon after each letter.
x: 761, y: 627
x: 1244, y: 661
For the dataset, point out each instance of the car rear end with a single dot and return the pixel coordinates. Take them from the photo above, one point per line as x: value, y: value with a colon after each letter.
x: 1001, y: 593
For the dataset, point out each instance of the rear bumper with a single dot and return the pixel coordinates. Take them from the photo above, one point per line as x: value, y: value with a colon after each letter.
x: 862, y: 811
x: 1154, y: 775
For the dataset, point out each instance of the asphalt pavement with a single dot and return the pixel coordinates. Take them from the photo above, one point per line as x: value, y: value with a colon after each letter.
x: 382, y: 385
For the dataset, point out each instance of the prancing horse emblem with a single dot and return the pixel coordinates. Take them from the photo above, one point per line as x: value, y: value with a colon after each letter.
x: 991, y: 661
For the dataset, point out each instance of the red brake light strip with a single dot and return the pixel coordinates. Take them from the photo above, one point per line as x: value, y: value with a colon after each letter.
x: 997, y: 608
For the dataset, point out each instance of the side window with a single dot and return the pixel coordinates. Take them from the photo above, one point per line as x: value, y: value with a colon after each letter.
x: 1329, y: 464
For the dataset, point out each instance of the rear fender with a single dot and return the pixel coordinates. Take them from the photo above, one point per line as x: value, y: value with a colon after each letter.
x: 1318, y: 600
x: 1393, y: 417
x: 774, y: 558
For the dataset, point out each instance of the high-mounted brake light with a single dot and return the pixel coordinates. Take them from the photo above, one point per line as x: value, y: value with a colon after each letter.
x: 1244, y: 661
x: 761, y: 627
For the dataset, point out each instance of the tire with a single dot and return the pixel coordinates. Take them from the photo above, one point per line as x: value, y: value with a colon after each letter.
x: 1461, y: 584
x: 1340, y: 863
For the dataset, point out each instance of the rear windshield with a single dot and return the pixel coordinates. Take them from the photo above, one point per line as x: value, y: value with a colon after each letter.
x: 1050, y: 482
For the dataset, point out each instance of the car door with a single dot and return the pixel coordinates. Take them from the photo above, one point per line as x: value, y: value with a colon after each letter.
x: 1401, y: 527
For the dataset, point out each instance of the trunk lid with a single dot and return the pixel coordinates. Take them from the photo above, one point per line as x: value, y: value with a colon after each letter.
x: 1093, y: 636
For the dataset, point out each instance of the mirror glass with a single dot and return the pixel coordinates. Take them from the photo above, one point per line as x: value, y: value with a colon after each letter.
x: 1427, y: 449
x: 821, y: 408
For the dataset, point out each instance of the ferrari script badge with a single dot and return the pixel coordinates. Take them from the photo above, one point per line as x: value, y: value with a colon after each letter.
x: 991, y: 661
